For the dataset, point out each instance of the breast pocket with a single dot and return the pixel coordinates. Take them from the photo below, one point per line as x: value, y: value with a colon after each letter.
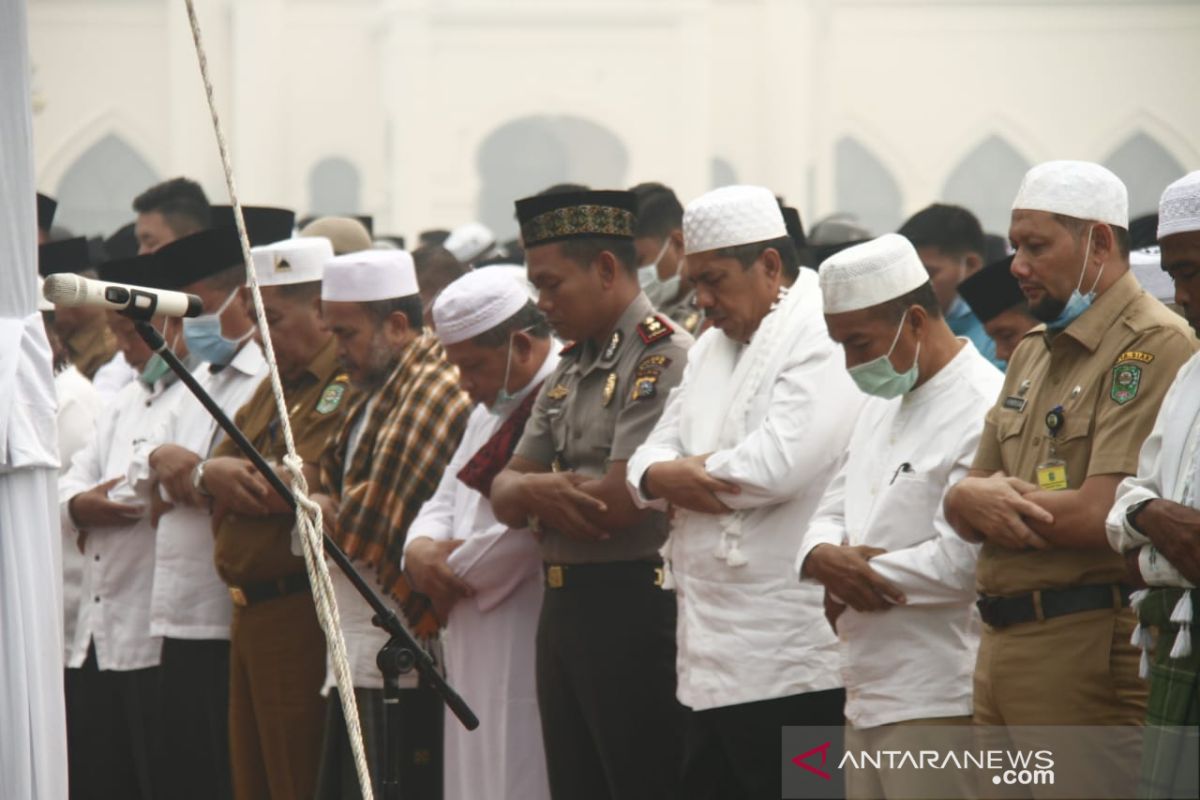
x: 905, y: 512
x: 1074, y: 446
x: 1009, y: 431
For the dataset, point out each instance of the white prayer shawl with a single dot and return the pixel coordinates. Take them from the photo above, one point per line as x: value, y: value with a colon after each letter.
x: 776, y: 420
x: 490, y: 637
x: 1168, y: 468
x: 33, y: 745
x: 913, y: 661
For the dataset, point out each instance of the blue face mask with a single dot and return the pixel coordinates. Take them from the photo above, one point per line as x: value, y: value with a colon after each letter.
x: 1077, y: 303
x: 503, y: 397
x: 879, y: 378
x: 204, y: 339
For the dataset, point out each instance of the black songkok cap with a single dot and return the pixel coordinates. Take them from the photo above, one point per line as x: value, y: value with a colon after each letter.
x: 992, y: 291
x: 547, y: 218
x: 263, y: 225
x: 67, y: 255
x: 199, y: 256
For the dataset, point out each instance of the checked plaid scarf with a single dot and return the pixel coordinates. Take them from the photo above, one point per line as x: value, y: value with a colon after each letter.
x: 413, y: 429
x: 1172, y: 737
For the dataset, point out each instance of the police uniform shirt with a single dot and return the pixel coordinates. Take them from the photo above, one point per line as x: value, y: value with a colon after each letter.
x: 596, y: 408
x: 682, y: 311
x: 1109, y: 371
x: 256, y: 549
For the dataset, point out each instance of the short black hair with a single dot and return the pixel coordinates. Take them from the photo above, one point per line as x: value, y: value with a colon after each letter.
x: 659, y: 212
x: 433, y: 236
x: 564, y: 188
x: 436, y: 268
x: 526, y: 317
x: 1143, y: 231
x: 585, y: 250
x: 1076, y: 226
x: 182, y: 203
x: 409, y: 306
x: 952, y: 229
x: 747, y: 254
x: 923, y: 296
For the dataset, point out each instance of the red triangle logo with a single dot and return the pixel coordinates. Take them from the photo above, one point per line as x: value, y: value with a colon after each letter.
x: 824, y: 751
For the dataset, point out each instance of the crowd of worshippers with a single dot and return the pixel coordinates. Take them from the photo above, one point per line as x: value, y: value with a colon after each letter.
x: 650, y: 483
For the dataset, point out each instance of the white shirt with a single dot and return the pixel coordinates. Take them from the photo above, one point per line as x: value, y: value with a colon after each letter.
x: 913, y: 661
x: 78, y: 403
x: 755, y: 632
x: 1168, y: 468
x: 189, y: 600
x: 490, y: 637
x: 118, y: 561
x: 113, y: 376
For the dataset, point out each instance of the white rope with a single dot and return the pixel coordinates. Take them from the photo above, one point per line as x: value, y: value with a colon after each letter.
x: 308, y: 513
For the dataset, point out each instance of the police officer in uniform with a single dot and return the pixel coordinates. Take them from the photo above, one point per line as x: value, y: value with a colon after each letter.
x: 277, y: 649
x: 1081, y: 393
x: 606, y: 637
x: 658, y: 240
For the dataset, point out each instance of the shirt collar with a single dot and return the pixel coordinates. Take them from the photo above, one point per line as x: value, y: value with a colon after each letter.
x: 324, y: 365
x: 1090, y: 327
x: 594, y: 355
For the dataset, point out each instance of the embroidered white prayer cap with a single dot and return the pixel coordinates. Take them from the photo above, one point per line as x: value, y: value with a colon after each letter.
x: 870, y: 273
x: 1179, y: 208
x: 1146, y: 266
x: 731, y: 216
x: 369, y: 275
x: 299, y: 260
x: 520, y: 274
x: 1079, y: 189
x: 476, y: 303
x: 469, y: 242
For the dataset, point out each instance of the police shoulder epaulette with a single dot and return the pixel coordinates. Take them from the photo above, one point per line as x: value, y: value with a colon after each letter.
x: 653, y: 328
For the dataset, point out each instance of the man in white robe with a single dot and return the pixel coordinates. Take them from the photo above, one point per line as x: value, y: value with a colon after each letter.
x: 483, y: 577
x: 1155, y: 522
x: 742, y: 454
x: 33, y: 746
x: 899, y: 583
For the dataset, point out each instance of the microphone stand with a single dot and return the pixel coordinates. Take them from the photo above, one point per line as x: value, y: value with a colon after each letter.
x: 401, y: 653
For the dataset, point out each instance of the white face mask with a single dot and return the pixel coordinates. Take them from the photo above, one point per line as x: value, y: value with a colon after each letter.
x: 503, y: 397
x: 658, y: 290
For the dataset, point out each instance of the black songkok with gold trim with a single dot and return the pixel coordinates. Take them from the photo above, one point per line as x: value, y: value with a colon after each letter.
x: 548, y: 218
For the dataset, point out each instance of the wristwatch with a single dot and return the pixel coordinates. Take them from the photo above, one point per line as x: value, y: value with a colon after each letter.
x: 198, y: 479
x: 1132, y: 512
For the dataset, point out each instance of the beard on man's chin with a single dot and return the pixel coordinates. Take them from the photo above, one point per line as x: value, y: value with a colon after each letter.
x: 1047, y: 309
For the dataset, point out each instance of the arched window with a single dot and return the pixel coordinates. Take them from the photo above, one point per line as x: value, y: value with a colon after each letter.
x: 865, y: 187
x: 95, y: 194
x: 986, y: 181
x: 334, y: 187
x: 528, y: 154
x: 1147, y: 168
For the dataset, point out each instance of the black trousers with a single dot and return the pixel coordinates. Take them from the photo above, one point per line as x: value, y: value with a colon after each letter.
x: 611, y: 725
x: 113, y: 732
x: 195, y: 717
x: 733, y: 752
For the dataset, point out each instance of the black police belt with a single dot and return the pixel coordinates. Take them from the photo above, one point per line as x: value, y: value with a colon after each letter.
x: 251, y: 593
x: 603, y: 575
x: 1044, y: 604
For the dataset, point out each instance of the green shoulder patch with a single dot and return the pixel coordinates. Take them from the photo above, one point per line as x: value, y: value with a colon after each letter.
x: 1126, y: 380
x: 331, y: 398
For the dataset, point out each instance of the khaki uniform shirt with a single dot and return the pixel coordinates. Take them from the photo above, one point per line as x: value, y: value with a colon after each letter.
x: 683, y: 312
x: 91, y: 348
x: 1109, y: 370
x: 255, y: 549
x: 597, y: 406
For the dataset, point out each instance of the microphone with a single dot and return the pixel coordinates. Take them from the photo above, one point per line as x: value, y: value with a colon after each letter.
x: 65, y: 289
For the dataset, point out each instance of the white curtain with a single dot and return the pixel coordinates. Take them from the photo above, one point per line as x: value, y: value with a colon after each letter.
x: 33, y: 745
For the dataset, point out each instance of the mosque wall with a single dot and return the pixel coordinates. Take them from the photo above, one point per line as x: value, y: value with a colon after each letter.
x: 441, y: 111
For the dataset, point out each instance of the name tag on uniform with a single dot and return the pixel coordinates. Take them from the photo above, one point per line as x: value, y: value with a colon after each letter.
x: 1014, y: 402
x: 1052, y: 475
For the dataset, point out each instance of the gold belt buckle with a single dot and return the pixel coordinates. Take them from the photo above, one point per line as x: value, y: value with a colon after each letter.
x: 238, y: 596
x: 554, y: 577
x: 659, y: 576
